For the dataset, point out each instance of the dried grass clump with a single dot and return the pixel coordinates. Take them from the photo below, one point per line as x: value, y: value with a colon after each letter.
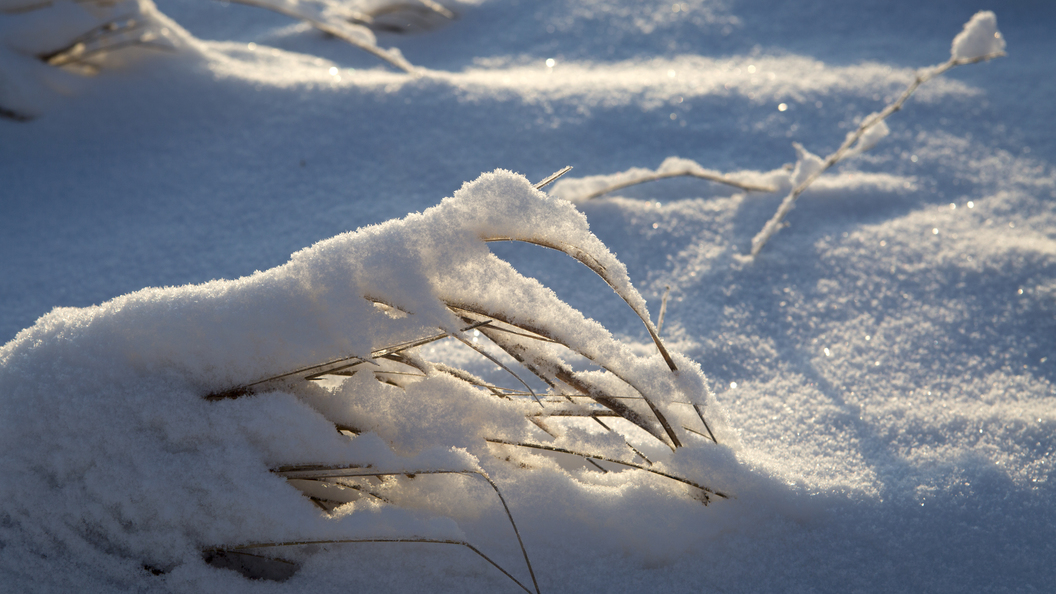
x: 84, y: 37
x: 655, y: 406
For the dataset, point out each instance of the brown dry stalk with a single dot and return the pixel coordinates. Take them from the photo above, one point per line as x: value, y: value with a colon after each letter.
x: 567, y: 375
x: 325, y: 472
x: 707, y: 492
x: 296, y: 543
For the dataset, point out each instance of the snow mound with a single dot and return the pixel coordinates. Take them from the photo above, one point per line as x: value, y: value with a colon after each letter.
x: 45, y: 46
x: 208, y: 402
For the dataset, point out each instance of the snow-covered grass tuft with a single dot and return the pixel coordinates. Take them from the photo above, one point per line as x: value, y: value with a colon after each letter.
x: 218, y: 398
x: 45, y: 45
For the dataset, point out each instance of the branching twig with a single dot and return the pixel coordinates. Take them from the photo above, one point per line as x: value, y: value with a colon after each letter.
x: 922, y: 76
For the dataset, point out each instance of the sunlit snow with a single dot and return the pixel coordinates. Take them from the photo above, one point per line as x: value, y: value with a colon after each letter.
x: 198, y: 198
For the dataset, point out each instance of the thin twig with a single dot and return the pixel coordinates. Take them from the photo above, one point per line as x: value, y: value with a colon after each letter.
x: 922, y: 76
x: 656, y: 176
x: 320, y: 472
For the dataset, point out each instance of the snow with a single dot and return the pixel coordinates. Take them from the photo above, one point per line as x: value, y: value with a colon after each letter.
x: 879, y: 377
x: 979, y: 38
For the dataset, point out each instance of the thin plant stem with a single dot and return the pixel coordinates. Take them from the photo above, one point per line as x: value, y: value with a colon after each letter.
x: 656, y: 176
x: 296, y: 543
x: 707, y: 491
x: 590, y: 262
x: 922, y: 76
x: 553, y: 177
x: 320, y: 472
x: 663, y: 309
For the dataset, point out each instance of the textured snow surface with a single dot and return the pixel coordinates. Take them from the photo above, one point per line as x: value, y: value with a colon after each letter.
x: 885, y: 366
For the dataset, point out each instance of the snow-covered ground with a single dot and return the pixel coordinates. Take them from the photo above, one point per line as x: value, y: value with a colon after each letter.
x: 881, y: 374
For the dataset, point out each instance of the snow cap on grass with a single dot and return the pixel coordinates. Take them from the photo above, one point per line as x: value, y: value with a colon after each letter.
x: 807, y: 164
x: 872, y: 135
x: 980, y: 38
x: 108, y: 444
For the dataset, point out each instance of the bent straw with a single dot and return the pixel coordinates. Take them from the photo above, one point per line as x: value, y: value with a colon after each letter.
x: 707, y: 491
x: 321, y: 472
x: 688, y: 172
x: 294, y: 543
x: 590, y: 262
x: 568, y: 378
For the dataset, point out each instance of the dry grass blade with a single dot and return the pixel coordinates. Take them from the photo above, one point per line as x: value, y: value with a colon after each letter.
x: 687, y: 172
x: 337, y: 31
x: 509, y: 344
x: 700, y: 413
x: 663, y: 309
x: 590, y: 262
x: 332, y: 366
x: 325, y: 472
x: 707, y: 493
x: 485, y: 354
x: 553, y: 177
x: 297, y: 543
